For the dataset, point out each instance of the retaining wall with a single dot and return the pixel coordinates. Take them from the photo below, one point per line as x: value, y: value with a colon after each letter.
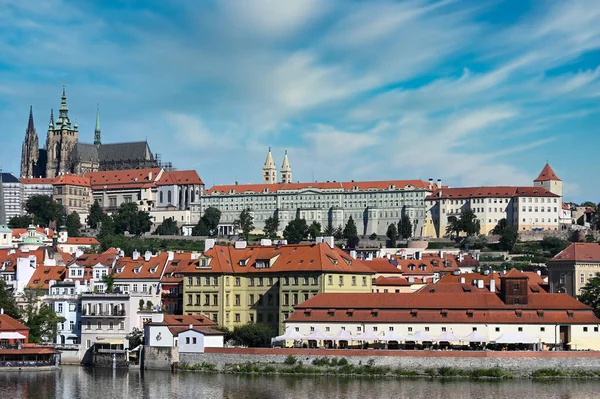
x: 157, y: 358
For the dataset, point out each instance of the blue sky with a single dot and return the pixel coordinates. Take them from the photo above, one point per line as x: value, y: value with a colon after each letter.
x: 472, y: 92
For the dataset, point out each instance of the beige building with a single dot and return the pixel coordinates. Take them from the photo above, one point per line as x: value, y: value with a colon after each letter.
x: 74, y: 193
x: 571, y: 269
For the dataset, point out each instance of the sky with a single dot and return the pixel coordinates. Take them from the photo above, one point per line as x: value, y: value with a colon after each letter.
x: 472, y: 92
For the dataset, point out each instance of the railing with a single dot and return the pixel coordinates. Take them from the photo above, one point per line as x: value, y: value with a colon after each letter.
x: 116, y: 313
x: 27, y: 363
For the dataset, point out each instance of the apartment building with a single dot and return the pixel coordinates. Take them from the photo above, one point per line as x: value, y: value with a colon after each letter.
x: 236, y: 285
x: 74, y: 193
x: 572, y: 268
x: 12, y: 191
x: 63, y: 297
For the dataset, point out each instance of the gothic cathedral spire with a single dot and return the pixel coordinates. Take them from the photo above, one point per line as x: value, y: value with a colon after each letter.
x: 97, y: 132
x: 269, y: 170
x: 286, y: 170
x: 30, y: 149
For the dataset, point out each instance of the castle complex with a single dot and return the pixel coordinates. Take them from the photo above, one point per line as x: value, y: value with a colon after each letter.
x: 63, y: 153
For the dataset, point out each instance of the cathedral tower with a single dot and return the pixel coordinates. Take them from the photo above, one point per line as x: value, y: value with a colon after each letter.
x: 269, y: 170
x: 61, y: 139
x: 97, y: 132
x: 30, y: 150
x: 286, y: 170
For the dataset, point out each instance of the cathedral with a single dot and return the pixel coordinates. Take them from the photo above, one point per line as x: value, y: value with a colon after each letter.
x: 64, y: 153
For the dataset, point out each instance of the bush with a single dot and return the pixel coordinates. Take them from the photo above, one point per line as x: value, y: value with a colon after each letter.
x: 252, y: 335
x: 548, y: 372
x: 373, y: 236
x: 494, y: 372
x: 290, y: 360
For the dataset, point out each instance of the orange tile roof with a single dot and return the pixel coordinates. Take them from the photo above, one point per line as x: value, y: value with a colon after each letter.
x: 9, y: 261
x: 71, y: 180
x: 173, y: 271
x: 284, y: 258
x: 127, y: 268
x: 547, y: 174
x: 82, y: 241
x: 345, y: 186
x: 428, y: 264
x: 37, y: 180
x: 43, y: 274
x: 382, y: 265
x: 579, y: 252
x: 124, y: 179
x: 185, y: 321
x: 392, y: 281
x: 19, y: 232
x: 7, y: 323
x: 180, y: 177
x: 490, y: 192
x: 106, y: 258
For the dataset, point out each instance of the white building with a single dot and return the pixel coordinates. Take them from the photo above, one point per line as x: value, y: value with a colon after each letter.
x: 64, y: 299
x: 36, y: 186
x: 12, y: 191
x: 187, y: 333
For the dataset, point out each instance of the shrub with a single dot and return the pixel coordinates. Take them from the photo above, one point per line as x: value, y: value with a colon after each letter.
x: 290, y: 360
x: 449, y: 372
x: 547, y: 372
x: 343, y: 362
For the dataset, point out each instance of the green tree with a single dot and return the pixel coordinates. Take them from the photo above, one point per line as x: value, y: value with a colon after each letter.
x: 200, y: 229
x: 589, y: 204
x: 244, y: 223
x: 44, y: 210
x: 107, y: 227
x: 453, y: 226
x: 295, y: 231
x: 73, y: 224
x: 553, y: 245
x: 350, y: 233
x: 508, y: 235
x: 96, y: 215
x: 8, y: 302
x: 469, y: 223
x: 20, y: 222
x: 41, y: 318
x: 329, y: 230
x: 135, y: 337
x: 129, y: 218
x: 211, y: 219
x: 314, y: 230
x: 141, y: 304
x: 590, y: 294
x: 338, y: 233
x: 392, y: 235
x: 252, y: 335
x: 167, y: 228
x: 596, y: 219
x: 109, y: 280
x: 271, y: 227
x: 474, y: 242
x: 405, y: 228
x: 590, y: 238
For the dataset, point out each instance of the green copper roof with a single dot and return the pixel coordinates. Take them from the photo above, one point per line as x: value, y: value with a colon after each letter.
x: 97, y: 132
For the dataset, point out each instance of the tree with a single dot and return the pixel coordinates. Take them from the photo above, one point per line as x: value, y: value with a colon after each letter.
x: 107, y: 226
x: 167, y: 228
x: 135, y: 337
x: 8, y: 302
x: 338, y: 233
x: 40, y: 318
x: 350, y: 233
x: 129, y: 218
x: 252, y: 335
x: 588, y: 204
x: 405, y: 228
x: 149, y: 304
x: 211, y: 219
x: 553, y: 245
x: 508, y: 235
x: 590, y: 293
x: 200, y: 229
x: 141, y: 304
x: 469, y: 223
x: 109, y: 280
x: 314, y: 230
x: 295, y: 231
x: 244, y: 223
x: 20, y: 222
x: 590, y: 238
x: 452, y: 227
x: 96, y: 215
x: 271, y: 227
x: 474, y: 242
x: 73, y: 224
x: 392, y: 234
x: 44, y: 209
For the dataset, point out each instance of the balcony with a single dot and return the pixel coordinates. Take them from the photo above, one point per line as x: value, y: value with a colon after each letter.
x: 104, y: 313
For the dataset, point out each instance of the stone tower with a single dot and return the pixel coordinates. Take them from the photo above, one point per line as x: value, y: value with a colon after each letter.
x: 286, y: 170
x: 97, y: 132
x: 269, y: 170
x: 30, y: 150
x: 548, y: 180
x: 62, y: 137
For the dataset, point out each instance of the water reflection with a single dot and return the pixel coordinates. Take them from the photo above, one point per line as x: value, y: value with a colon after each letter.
x: 90, y: 383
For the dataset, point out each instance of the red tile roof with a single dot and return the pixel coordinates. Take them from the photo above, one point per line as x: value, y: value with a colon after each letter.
x: 43, y: 274
x: 10, y: 260
x: 82, y: 241
x: 71, y: 180
x: 579, y: 252
x: 47, y: 232
x: 345, y: 186
x: 124, y: 179
x: 382, y: 265
x: 175, y: 268
x: 37, y: 180
x: 490, y: 192
x: 7, y: 323
x: 185, y: 321
x: 428, y: 264
x: 180, y: 177
x: 392, y: 281
x: 127, y: 268
x: 547, y: 174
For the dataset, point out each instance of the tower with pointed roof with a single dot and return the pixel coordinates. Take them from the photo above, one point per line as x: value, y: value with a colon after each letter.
x: 286, y: 170
x: 62, y: 138
x: 269, y: 170
x: 97, y: 132
x: 30, y: 149
x: 549, y: 181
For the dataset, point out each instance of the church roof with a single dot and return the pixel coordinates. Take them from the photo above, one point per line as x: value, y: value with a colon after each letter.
x: 125, y: 152
x: 547, y: 174
x: 85, y: 152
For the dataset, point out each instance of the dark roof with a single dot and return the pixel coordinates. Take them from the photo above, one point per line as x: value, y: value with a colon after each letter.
x: 9, y: 178
x: 85, y: 152
x: 125, y: 152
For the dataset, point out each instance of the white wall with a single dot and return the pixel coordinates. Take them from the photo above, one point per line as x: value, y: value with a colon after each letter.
x: 153, y: 333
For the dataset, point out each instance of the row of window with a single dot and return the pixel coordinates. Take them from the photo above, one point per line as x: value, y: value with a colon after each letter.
x: 110, y: 325
x: 443, y: 329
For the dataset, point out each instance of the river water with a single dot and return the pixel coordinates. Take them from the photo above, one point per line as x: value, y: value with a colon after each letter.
x: 77, y: 382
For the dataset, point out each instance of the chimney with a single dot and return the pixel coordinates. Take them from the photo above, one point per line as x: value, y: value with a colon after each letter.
x: 209, y: 243
x: 327, y: 240
x: 265, y: 242
x: 158, y: 317
x: 353, y: 254
x: 149, y: 176
x: 171, y: 255
x: 1, y: 310
x: 539, y: 272
x: 411, y: 279
x: 147, y: 256
x: 439, y: 186
x: 191, y: 326
x: 480, y: 284
x: 462, y: 280
x: 135, y: 255
x: 492, y: 285
x: 240, y: 245
x: 441, y: 254
x: 430, y: 184
x: 417, y: 255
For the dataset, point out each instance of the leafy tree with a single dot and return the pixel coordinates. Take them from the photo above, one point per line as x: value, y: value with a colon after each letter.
x: 252, y: 335
x: 200, y: 229
x: 508, y: 234
x: 474, y: 242
x: 107, y: 227
x: 590, y: 293
x: 141, y: 304
x: 295, y: 231
x: 329, y: 230
x: 338, y: 233
x: 314, y: 230
x: 553, y: 245
x: 8, y: 302
x: 109, y: 280
x: 96, y: 215
x: 211, y: 218
x: 405, y: 228
x: 41, y: 318
x: 392, y: 234
x: 589, y: 204
x: 44, y: 209
x: 596, y: 219
x: 73, y: 224
x: 20, y: 222
x: 373, y: 236
x: 350, y: 233
x: 135, y: 337
x: 129, y: 218
x: 244, y: 223
x: 590, y: 238
x: 149, y: 304
x: 453, y: 226
x: 577, y: 236
x: 469, y: 223
x: 167, y: 228
x: 271, y: 227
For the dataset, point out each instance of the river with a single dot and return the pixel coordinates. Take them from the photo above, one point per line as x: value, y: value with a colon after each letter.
x: 76, y: 382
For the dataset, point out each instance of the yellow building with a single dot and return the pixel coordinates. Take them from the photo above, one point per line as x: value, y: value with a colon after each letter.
x: 572, y: 268
x: 236, y: 285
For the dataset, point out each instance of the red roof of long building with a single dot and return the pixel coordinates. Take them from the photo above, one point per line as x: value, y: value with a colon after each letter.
x: 7, y: 323
x: 180, y: 177
x: 490, y: 192
x: 124, y: 179
x: 71, y: 180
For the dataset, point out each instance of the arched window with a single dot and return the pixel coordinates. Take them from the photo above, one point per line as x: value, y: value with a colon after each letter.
x: 169, y: 197
x: 161, y: 197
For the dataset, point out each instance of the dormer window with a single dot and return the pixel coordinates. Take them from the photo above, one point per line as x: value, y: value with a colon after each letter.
x: 243, y: 262
x: 137, y: 270
x: 153, y: 270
